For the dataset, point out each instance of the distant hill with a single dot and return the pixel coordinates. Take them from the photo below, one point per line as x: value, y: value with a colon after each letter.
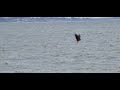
x: 46, y: 19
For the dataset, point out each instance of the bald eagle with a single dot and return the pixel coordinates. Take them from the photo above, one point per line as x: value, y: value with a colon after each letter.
x: 78, y: 37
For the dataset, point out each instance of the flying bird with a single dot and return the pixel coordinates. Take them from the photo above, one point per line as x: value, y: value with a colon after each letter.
x: 78, y: 37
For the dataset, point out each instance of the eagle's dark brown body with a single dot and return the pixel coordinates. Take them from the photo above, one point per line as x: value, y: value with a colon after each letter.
x: 78, y: 37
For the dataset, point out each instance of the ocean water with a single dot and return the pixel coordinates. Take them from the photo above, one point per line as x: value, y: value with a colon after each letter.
x: 51, y: 47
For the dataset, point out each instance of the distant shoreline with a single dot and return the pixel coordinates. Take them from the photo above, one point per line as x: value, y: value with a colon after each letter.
x: 57, y: 21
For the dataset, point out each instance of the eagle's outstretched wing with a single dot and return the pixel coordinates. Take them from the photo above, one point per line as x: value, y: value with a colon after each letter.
x: 78, y: 37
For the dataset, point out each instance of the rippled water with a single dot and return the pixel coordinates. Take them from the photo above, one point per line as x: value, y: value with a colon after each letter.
x: 51, y: 47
